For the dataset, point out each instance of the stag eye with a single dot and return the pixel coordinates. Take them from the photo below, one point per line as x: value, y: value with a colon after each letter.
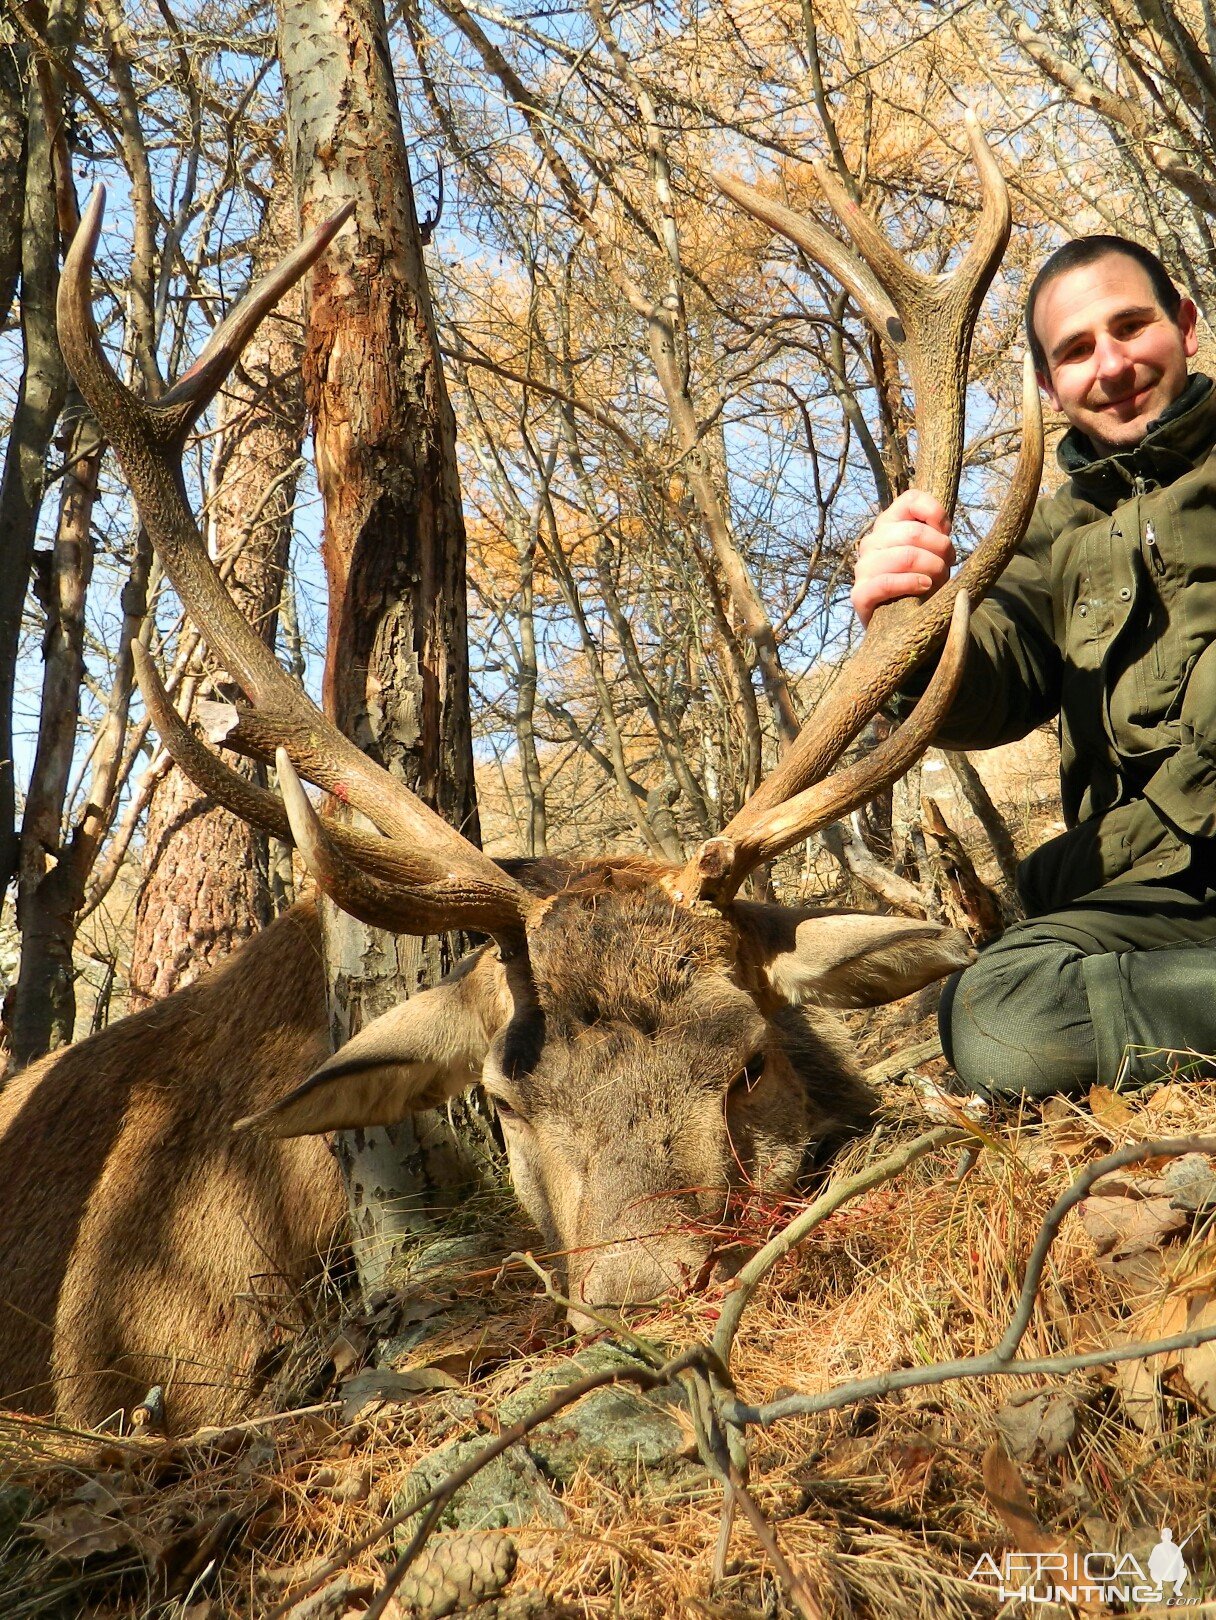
x: 507, y: 1114
x: 749, y: 1076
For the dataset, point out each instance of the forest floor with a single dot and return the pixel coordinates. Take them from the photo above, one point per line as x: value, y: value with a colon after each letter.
x: 915, y: 1503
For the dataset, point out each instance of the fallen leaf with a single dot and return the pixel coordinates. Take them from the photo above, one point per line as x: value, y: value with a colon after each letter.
x: 463, y: 1356
x: 1138, y: 1381
x: 1010, y: 1501
x: 347, y: 1350
x: 97, y: 1493
x: 912, y: 1462
x: 1197, y: 1367
x: 1124, y: 1226
x: 75, y: 1531
x: 1140, y: 1276
x: 1038, y: 1421
x: 383, y: 1384
x: 1091, y: 1330
x: 1109, y: 1108
x: 1137, y: 1385
x: 1168, y: 1102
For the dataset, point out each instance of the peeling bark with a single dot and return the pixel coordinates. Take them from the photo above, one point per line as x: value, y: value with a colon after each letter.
x: 394, y: 550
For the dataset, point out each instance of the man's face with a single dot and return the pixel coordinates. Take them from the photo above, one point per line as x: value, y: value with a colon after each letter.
x: 1115, y: 358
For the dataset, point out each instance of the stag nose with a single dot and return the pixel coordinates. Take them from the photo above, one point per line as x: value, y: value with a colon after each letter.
x: 634, y: 1271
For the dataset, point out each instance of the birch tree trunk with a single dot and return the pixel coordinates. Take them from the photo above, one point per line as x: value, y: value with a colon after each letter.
x: 394, y: 549
x: 205, y: 886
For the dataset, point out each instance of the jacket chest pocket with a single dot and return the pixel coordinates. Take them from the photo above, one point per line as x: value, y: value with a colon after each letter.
x: 1084, y: 611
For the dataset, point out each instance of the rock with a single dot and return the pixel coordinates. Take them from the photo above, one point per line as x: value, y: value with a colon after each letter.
x: 617, y: 1432
x: 1125, y: 1226
x: 1190, y: 1182
x: 509, y: 1492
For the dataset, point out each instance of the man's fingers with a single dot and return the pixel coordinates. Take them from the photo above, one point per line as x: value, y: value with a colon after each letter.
x: 907, y: 553
x: 888, y: 535
x: 920, y: 507
x: 904, y: 560
x: 869, y: 594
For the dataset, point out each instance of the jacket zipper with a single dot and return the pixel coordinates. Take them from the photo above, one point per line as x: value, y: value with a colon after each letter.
x: 1154, y: 550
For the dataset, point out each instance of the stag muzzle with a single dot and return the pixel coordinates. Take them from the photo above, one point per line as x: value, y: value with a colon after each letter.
x: 637, y: 1271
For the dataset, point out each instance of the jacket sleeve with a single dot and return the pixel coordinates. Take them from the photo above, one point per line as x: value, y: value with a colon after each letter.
x: 1183, y: 788
x: 1011, y: 681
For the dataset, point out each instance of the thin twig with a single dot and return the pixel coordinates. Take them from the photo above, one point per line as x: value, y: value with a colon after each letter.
x: 945, y: 1372
x: 1170, y: 1147
x: 1000, y: 1361
x: 804, y: 1599
x: 649, y: 1353
x: 803, y: 1225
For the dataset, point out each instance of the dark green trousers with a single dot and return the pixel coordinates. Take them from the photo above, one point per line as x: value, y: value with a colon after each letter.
x: 1117, y: 988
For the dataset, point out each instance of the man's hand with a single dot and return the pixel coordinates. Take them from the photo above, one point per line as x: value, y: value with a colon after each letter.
x: 906, y: 553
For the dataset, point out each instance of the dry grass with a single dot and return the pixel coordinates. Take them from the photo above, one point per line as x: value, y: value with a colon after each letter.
x: 882, y: 1506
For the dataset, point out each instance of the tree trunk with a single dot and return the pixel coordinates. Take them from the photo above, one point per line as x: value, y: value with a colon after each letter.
x: 44, y: 1009
x: 13, y: 60
x: 396, y: 656
x: 39, y: 401
x: 205, y: 872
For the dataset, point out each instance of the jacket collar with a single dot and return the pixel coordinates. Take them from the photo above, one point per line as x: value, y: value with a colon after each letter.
x: 1180, y: 437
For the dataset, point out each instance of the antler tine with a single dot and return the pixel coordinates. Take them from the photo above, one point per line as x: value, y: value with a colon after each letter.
x: 392, y: 885
x: 778, y: 829
x: 928, y: 320
x: 180, y: 406
x: 150, y: 460
x: 876, y: 671
x: 821, y: 246
x: 421, y: 897
x: 205, y: 769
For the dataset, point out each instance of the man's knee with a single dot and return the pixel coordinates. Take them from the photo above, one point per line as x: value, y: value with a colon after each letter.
x: 1016, y: 1023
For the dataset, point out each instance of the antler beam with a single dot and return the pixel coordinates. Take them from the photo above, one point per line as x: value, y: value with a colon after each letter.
x: 148, y: 438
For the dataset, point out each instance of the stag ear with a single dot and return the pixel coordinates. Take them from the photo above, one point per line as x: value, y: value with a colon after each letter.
x: 414, y: 1056
x: 848, y: 959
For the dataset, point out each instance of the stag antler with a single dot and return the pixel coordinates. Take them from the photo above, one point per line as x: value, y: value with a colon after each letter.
x: 422, y: 875
x: 929, y: 321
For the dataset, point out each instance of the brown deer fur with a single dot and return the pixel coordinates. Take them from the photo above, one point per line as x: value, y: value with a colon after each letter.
x: 134, y: 1225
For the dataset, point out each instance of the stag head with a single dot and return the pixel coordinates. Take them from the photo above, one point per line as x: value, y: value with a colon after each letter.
x: 654, y: 1044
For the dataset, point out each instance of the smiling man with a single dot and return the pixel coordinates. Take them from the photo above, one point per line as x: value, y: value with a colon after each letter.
x: 1106, y: 618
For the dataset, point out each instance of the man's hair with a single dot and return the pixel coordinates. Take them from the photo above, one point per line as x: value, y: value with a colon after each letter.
x: 1086, y: 250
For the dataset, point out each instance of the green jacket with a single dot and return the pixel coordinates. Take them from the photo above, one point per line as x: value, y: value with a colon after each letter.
x: 1106, y: 617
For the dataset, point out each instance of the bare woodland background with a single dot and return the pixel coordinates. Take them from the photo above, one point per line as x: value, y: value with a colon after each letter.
x: 670, y: 431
